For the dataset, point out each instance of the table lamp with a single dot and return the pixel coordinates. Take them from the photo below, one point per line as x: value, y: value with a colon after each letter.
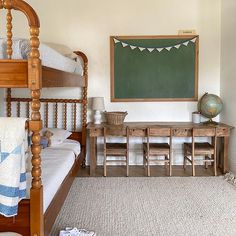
x: 98, y: 106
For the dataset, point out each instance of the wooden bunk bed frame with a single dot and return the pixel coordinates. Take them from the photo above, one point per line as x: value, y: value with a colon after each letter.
x: 30, y: 74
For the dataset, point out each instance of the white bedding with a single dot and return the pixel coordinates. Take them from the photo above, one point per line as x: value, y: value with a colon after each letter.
x: 49, y: 56
x: 69, y: 144
x: 56, y: 163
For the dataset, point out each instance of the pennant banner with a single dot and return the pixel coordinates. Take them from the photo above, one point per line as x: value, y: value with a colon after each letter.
x: 150, y: 49
x: 186, y: 43
x: 141, y: 49
x: 133, y: 47
x: 159, y: 49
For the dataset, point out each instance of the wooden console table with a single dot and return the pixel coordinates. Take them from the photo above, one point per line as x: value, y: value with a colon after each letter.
x: 179, y: 129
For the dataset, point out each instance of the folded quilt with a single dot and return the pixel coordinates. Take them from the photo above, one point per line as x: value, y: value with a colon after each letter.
x: 12, y: 164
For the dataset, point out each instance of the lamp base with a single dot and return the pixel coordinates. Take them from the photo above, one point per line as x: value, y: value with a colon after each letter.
x: 97, y: 118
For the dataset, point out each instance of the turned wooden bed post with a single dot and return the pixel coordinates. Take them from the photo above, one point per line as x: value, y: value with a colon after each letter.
x: 85, y: 94
x: 35, y: 123
x: 9, y: 56
x: 35, y: 84
x: 85, y: 102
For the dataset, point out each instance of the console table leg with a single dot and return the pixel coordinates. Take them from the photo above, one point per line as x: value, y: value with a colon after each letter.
x: 226, y: 154
x: 93, y: 161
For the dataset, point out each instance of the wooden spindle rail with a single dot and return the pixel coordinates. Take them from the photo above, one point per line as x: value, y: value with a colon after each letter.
x: 18, y: 109
x: 56, y: 116
x: 65, y: 116
x: 75, y: 112
x: 8, y: 102
x: 9, y: 34
x: 46, y: 115
x: 28, y: 110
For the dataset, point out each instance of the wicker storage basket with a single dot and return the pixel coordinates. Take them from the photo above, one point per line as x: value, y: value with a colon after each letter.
x: 115, y: 117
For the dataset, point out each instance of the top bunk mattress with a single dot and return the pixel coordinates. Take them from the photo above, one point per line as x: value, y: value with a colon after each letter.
x: 52, y: 55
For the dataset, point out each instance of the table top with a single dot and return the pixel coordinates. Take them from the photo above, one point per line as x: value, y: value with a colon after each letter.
x: 140, y: 125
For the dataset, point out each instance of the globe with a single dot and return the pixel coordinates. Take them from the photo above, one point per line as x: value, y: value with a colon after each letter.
x: 210, y: 105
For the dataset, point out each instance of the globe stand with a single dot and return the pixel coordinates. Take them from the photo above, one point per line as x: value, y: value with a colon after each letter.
x: 210, y: 105
x: 210, y: 122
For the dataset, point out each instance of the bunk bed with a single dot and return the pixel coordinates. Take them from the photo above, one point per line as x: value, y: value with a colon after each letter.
x: 31, y: 218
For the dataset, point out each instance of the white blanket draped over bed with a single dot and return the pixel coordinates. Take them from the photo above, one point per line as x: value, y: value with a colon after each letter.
x: 12, y: 164
x: 52, y: 56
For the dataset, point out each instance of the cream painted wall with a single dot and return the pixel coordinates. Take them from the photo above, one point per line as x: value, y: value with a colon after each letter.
x: 87, y: 25
x: 228, y: 72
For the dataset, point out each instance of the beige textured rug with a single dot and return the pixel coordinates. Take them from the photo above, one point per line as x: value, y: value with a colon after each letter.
x: 168, y: 206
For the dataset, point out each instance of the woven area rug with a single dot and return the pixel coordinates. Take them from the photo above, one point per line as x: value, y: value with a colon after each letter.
x: 150, y: 206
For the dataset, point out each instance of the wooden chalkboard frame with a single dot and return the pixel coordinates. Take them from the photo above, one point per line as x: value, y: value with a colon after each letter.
x: 112, y: 68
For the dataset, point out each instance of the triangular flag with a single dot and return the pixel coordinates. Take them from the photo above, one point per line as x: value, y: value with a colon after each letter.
x: 193, y: 40
x: 124, y: 44
x: 116, y: 41
x: 141, y: 49
x: 133, y: 47
x: 168, y: 48
x: 159, y: 49
x: 177, y: 46
x: 150, y: 49
x: 186, y: 43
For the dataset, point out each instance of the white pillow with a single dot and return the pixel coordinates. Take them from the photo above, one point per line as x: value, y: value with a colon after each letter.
x: 59, y: 135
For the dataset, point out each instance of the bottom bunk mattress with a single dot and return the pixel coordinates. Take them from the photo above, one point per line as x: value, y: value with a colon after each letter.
x: 57, y: 161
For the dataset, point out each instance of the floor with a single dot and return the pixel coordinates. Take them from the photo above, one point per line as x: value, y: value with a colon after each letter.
x: 156, y: 171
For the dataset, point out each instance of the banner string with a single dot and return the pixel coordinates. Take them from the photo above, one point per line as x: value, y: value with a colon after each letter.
x: 158, y: 49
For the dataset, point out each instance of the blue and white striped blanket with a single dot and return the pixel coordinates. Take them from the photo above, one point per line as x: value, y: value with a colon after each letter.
x: 12, y: 164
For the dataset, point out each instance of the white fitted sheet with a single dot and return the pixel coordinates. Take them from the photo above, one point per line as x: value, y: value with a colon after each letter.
x: 56, y: 164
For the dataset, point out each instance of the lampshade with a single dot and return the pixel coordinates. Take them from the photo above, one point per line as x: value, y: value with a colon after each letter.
x: 98, y: 104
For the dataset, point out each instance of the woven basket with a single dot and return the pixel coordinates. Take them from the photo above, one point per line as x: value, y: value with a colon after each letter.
x: 115, y: 117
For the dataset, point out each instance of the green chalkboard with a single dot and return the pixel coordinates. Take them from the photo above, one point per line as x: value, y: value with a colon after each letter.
x: 154, y: 68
